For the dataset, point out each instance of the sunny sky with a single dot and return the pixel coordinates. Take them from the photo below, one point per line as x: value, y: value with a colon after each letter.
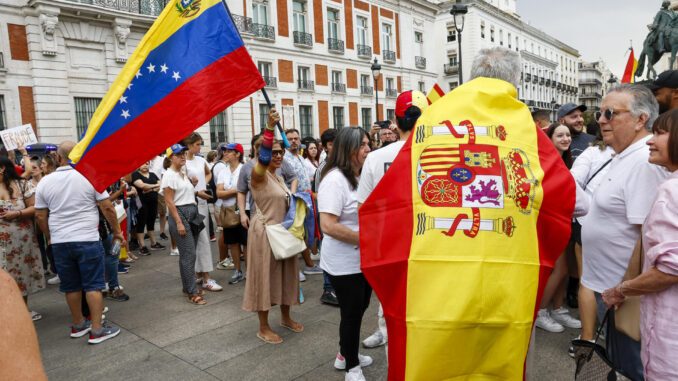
x: 597, y: 28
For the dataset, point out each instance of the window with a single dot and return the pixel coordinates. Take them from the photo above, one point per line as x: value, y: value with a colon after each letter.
x: 84, y: 109
x: 3, y: 121
x: 299, y: 16
x: 451, y: 35
x: 333, y: 23
x: 517, y: 43
x: 218, y: 126
x: 453, y: 85
x: 362, y: 30
x: 265, y: 69
x: 365, y: 80
x: 259, y: 13
x: 389, y: 84
x: 422, y: 87
x: 386, y: 36
x: 419, y: 43
x: 501, y: 37
x: 452, y: 60
x: 338, y: 117
x: 366, y: 114
x: 303, y: 74
x: 482, y: 29
x: 305, y: 120
x: 491, y: 34
x: 509, y: 40
x: 337, y: 77
x: 390, y: 114
x: 263, y: 115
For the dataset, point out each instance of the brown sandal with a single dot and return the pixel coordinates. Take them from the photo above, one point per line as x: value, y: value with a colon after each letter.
x: 196, y: 299
x: 200, y: 293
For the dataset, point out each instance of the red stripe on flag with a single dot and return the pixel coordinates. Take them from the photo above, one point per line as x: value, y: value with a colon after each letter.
x: 438, y: 90
x: 628, y: 71
x: 189, y: 106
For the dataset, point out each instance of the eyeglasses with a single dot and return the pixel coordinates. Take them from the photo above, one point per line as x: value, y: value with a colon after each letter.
x: 180, y: 154
x: 610, y: 113
x: 278, y: 152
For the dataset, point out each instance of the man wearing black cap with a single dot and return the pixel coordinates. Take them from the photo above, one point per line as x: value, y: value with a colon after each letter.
x: 571, y: 115
x: 665, y: 90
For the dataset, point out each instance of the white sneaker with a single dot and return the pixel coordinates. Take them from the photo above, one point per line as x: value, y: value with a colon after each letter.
x: 340, y: 361
x: 54, y: 280
x: 562, y: 316
x: 375, y: 340
x: 211, y: 285
x: 546, y: 322
x: 354, y: 374
x: 226, y: 264
x: 315, y: 257
x: 302, y: 277
x: 174, y: 252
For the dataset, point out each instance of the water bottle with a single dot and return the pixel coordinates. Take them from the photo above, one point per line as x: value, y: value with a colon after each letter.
x: 115, y: 247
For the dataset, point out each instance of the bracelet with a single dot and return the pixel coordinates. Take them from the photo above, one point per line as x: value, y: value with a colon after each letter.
x: 20, y: 213
x: 621, y: 285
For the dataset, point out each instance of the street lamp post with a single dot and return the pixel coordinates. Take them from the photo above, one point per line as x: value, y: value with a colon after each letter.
x: 553, y: 109
x: 459, y: 12
x: 376, y: 72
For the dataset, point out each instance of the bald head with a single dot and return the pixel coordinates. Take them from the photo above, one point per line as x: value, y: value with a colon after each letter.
x: 64, y: 150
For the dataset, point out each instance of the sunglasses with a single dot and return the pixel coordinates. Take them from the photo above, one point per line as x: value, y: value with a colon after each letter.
x: 278, y: 152
x: 610, y: 113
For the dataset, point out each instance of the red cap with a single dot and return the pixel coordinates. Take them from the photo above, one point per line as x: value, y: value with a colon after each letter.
x: 410, y: 98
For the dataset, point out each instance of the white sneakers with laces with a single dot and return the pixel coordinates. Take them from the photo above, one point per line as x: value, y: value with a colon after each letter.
x: 211, y: 285
x: 546, y: 322
x: 340, y: 361
x: 562, y: 316
x: 354, y: 374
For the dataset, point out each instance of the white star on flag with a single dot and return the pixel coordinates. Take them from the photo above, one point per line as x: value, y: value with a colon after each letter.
x: 138, y: 74
x: 125, y: 114
x: 163, y: 68
x: 176, y: 76
x: 129, y: 87
x: 151, y: 68
x: 123, y: 99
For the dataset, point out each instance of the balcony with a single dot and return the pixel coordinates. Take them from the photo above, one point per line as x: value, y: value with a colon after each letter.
x: 271, y: 82
x: 535, y: 78
x: 451, y: 69
x: 391, y: 93
x: 303, y: 39
x: 334, y: 45
x: 559, y: 86
x: 244, y: 24
x: 366, y: 90
x: 305, y: 85
x: 389, y: 56
x: 553, y: 83
x: 528, y: 77
x: 339, y: 88
x: 364, y: 51
x: 420, y: 62
x: 548, y: 83
x: 542, y: 81
x: 530, y: 103
x: 142, y: 7
x: 591, y: 96
x: 590, y: 81
x: 263, y: 31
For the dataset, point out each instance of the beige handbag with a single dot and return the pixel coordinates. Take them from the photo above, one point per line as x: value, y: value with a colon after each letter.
x: 627, y: 316
x: 228, y: 217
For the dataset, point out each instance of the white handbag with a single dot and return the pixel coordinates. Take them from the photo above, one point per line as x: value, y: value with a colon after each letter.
x: 283, y: 243
x: 120, y: 212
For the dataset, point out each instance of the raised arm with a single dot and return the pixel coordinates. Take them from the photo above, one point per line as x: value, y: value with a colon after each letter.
x: 259, y: 178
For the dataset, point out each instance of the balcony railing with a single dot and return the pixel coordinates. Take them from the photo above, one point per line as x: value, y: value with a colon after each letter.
x: 366, y: 90
x: 270, y: 81
x: 244, y: 24
x: 305, y: 85
x: 590, y: 96
x: 451, y: 69
x: 530, y: 103
x: 541, y: 80
x: 535, y: 79
x: 303, y: 39
x: 420, y: 62
x: 334, y: 45
x: 338, y: 87
x: 142, y: 7
x: 364, y: 51
x: 2, y: 61
x: 392, y: 93
x: 263, y: 31
x: 528, y: 77
x: 553, y: 83
x: 548, y: 83
x: 389, y: 56
x: 559, y: 86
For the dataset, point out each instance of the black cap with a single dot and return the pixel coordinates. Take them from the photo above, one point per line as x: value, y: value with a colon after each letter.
x: 568, y: 108
x: 667, y: 79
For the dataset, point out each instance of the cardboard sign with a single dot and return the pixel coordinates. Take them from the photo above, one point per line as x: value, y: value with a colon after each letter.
x: 16, y: 137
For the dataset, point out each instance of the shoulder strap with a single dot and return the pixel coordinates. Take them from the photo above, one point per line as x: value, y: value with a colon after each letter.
x: 598, y: 171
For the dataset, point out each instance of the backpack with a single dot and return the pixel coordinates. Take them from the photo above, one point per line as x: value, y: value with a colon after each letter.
x: 212, y: 185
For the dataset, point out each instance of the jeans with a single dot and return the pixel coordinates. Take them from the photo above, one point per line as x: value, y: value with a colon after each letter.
x: 327, y: 285
x: 80, y: 266
x: 111, y: 264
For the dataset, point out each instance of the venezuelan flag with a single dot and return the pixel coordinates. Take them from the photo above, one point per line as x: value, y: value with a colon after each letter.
x: 191, y: 65
x: 631, y: 66
x: 435, y: 94
x: 483, y: 203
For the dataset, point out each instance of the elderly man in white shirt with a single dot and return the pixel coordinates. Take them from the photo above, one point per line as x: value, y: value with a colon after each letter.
x: 620, y: 205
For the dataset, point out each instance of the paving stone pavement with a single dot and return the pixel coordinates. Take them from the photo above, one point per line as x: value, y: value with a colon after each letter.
x: 165, y: 338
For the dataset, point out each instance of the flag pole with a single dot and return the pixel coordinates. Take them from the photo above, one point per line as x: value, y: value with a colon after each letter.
x: 263, y: 90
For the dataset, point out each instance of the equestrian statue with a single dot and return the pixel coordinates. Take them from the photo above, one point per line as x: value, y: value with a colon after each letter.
x: 662, y: 38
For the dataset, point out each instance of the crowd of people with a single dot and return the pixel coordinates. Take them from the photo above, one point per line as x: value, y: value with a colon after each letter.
x: 624, y: 163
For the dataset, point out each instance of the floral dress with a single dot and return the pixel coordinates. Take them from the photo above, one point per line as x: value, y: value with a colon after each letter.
x: 19, y: 253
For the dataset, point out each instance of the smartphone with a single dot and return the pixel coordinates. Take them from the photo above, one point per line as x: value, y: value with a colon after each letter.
x: 209, y: 192
x: 384, y: 124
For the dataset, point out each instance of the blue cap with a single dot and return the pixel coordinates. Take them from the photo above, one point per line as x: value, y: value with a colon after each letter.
x: 568, y: 108
x: 175, y: 148
x: 236, y: 147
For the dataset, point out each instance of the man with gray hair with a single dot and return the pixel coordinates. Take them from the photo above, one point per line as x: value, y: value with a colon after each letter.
x: 499, y: 63
x: 619, y: 207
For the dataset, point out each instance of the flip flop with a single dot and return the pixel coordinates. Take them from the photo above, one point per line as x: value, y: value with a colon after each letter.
x: 269, y: 341
x: 297, y: 329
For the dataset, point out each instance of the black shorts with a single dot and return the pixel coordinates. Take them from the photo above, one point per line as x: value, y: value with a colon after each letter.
x: 576, y: 232
x: 235, y: 235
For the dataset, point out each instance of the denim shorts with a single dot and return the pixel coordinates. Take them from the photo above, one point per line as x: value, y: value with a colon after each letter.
x: 80, y: 266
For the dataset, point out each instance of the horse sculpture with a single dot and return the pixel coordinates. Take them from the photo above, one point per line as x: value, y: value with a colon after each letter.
x: 652, y: 53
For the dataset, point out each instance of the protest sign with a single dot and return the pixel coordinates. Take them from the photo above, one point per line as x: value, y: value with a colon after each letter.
x: 16, y: 137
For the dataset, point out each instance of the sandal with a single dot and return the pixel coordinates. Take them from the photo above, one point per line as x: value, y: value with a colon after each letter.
x: 296, y: 328
x: 196, y: 299
x: 200, y: 293
x: 270, y: 341
x: 127, y: 260
x: 134, y: 257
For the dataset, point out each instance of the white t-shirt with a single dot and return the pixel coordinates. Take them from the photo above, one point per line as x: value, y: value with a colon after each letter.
x: 156, y: 166
x: 217, y: 170
x: 336, y: 197
x: 310, y: 168
x: 196, y: 167
x: 184, y: 192
x: 586, y: 165
x: 230, y: 181
x: 72, y: 203
x: 619, y: 206
x: 375, y: 167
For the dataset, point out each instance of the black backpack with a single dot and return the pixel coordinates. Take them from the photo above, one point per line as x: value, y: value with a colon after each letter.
x: 212, y: 185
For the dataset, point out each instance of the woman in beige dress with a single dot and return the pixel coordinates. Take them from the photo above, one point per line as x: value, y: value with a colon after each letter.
x: 270, y: 282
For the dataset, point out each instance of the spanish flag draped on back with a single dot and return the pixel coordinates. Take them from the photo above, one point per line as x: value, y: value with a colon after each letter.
x: 191, y: 65
x: 461, y: 234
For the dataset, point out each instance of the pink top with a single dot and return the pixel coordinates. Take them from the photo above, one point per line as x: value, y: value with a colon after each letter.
x: 658, y: 311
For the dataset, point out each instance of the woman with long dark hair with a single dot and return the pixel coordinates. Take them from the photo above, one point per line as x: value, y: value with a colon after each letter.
x: 19, y: 254
x: 338, y: 208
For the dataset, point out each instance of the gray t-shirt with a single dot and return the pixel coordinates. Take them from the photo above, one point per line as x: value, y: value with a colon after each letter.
x: 245, y: 178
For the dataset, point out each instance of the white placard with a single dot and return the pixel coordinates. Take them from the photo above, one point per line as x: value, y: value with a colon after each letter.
x: 16, y: 137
